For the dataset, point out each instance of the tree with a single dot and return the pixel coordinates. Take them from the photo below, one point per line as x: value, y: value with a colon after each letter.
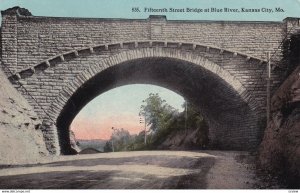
x: 156, y: 112
x: 121, y: 138
x: 194, y: 116
x: 107, y: 147
x: 192, y: 119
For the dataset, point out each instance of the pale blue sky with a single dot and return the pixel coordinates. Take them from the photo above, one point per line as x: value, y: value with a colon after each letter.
x: 122, y: 8
x: 125, y: 101
x: 129, y: 98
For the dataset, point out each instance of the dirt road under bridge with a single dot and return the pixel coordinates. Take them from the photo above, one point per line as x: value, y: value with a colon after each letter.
x: 136, y: 170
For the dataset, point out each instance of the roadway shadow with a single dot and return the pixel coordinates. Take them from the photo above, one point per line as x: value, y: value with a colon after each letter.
x: 194, y: 180
x: 55, y: 180
x: 116, y: 179
x: 158, y: 160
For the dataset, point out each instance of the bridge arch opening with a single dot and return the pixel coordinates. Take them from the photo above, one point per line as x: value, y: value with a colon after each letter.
x: 120, y: 108
x: 232, y: 121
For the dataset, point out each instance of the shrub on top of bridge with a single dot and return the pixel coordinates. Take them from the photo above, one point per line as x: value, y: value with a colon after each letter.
x: 291, y: 53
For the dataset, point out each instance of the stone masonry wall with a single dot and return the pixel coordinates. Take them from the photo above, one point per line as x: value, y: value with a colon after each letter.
x: 45, y: 86
x: 48, y: 54
x: 38, y: 38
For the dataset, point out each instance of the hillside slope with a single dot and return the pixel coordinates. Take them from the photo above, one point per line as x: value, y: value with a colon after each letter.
x: 191, y: 139
x: 20, y: 134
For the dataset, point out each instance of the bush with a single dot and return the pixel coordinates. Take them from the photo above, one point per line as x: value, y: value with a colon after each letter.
x: 290, y: 52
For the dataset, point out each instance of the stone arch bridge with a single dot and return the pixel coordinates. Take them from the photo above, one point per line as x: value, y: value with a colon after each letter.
x: 60, y: 64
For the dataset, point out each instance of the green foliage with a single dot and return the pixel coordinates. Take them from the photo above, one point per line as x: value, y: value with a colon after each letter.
x: 161, y: 120
x: 156, y: 112
x: 194, y: 117
x: 189, y: 119
x: 107, y: 147
x: 121, y: 138
x: 290, y: 52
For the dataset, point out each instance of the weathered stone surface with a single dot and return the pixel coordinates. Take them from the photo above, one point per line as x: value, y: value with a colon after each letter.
x: 73, y: 142
x: 185, y: 140
x: 20, y: 134
x: 280, y: 148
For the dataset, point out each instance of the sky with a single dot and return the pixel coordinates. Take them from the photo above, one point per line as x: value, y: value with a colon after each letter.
x: 119, y: 107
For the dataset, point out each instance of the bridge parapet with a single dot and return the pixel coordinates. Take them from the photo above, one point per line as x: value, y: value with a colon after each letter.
x: 28, y: 39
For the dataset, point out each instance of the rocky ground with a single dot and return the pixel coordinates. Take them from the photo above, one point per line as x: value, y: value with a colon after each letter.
x: 184, y: 139
x: 138, y: 170
x: 279, y: 151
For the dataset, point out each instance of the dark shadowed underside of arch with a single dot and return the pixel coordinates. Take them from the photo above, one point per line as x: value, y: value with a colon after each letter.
x: 219, y: 82
x: 233, y: 124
